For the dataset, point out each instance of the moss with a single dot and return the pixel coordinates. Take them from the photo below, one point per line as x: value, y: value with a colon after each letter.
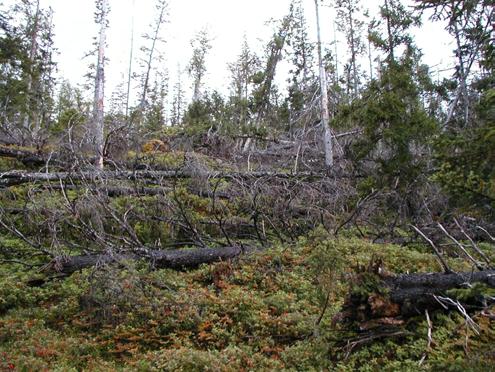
x: 259, y: 313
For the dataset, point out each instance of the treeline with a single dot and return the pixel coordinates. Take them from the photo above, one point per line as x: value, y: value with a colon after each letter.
x: 407, y: 127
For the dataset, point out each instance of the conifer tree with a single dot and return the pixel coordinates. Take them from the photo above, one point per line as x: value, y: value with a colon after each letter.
x: 396, y: 126
x: 349, y: 22
x: 26, y: 74
x: 242, y: 71
x: 178, y: 100
x: 201, y: 45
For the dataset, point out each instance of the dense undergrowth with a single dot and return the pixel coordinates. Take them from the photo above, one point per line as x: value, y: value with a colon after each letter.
x: 264, y: 312
x: 276, y: 309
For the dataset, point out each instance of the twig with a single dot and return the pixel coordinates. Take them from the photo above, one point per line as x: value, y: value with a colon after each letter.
x: 430, y: 339
x: 473, y: 244
x: 443, y: 263
x: 486, y: 232
x: 461, y: 247
x: 446, y: 301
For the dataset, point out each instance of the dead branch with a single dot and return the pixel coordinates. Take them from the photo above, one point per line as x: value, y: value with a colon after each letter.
x: 444, y: 264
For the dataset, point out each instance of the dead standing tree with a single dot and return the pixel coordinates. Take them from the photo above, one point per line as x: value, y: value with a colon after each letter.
x: 97, y: 134
x: 325, y: 116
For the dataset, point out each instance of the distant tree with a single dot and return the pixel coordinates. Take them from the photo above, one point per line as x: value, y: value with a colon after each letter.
x: 201, y: 45
x: 264, y: 80
x: 388, y: 37
x: 206, y: 115
x: 71, y: 110
x: 471, y: 25
x: 161, y: 7
x: 27, y: 82
x: 349, y: 13
x: 301, y: 80
x: 155, y: 116
x: 131, y: 59
x: 178, y: 100
x: 242, y: 71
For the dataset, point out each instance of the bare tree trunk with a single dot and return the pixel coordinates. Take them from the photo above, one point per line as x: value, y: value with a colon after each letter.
x: 325, y: 116
x: 98, y: 113
x: 131, y: 53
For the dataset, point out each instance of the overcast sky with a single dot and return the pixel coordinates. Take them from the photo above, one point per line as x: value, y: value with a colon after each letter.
x: 227, y: 21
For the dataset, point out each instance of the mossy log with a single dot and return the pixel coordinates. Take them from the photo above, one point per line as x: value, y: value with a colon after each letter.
x: 386, y: 297
x: 178, y: 259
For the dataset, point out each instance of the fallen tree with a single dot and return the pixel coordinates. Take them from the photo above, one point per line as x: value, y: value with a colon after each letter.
x: 377, y: 297
x: 17, y: 177
x: 27, y: 157
x: 178, y: 259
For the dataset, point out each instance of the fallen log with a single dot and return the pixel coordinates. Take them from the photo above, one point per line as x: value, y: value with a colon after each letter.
x: 17, y: 177
x: 384, y: 297
x: 177, y: 259
x: 26, y: 157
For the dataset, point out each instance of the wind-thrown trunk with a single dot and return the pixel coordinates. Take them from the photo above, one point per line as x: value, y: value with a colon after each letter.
x: 325, y: 116
x: 98, y: 113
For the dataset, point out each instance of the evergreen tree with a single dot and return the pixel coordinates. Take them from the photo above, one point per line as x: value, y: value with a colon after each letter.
x: 394, y: 146
x: 465, y: 151
x: 349, y: 22
x: 242, y: 71
x: 302, y: 83
x: 71, y: 110
x: 155, y: 117
x: 201, y: 45
x: 178, y: 100
x: 26, y: 72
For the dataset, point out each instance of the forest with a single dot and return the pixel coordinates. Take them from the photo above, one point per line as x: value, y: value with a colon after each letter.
x: 334, y: 215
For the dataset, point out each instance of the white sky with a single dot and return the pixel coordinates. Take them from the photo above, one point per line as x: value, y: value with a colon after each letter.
x: 227, y: 21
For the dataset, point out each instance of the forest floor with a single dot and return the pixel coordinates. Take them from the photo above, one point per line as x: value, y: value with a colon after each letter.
x: 263, y: 312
